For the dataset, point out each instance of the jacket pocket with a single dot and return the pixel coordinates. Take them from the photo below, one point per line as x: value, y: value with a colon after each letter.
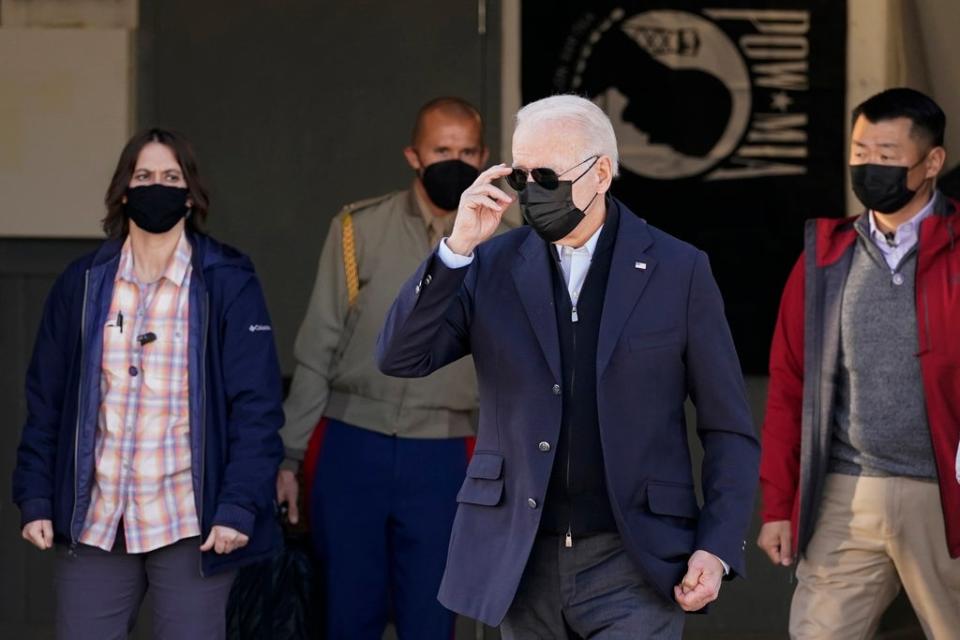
x: 484, y: 482
x: 674, y: 500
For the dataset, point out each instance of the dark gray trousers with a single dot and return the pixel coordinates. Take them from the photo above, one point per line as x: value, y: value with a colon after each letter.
x: 591, y: 590
x: 99, y: 593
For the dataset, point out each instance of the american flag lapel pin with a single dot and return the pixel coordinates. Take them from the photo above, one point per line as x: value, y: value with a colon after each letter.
x: 640, y: 265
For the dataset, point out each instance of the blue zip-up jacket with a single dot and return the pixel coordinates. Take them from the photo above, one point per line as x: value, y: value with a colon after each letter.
x: 235, y: 400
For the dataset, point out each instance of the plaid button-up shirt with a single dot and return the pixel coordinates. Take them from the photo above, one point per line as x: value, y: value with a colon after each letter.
x: 143, y: 455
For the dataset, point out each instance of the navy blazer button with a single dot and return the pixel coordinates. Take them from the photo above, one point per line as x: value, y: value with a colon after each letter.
x: 427, y: 280
x: 556, y: 389
x: 544, y: 446
x: 531, y: 503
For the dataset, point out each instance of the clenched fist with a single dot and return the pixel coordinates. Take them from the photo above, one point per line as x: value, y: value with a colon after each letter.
x: 39, y: 533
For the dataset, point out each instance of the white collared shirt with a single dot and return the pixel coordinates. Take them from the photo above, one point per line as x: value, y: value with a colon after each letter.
x: 901, y: 241
x: 575, y: 263
x: 453, y: 260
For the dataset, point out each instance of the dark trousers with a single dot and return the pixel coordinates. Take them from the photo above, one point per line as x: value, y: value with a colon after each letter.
x: 381, y: 512
x: 99, y: 593
x: 591, y: 590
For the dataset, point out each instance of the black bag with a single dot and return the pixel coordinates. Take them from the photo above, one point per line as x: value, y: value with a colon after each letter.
x: 279, y: 598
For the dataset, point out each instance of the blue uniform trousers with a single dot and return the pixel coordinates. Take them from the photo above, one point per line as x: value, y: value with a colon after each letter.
x: 381, y: 512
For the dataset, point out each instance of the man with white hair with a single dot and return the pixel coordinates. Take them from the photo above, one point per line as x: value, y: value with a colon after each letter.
x: 589, y: 328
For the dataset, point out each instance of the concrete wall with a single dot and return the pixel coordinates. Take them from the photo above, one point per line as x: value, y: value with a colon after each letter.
x: 65, y: 109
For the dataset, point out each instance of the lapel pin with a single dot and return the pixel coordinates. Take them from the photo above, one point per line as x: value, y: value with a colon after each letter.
x: 640, y: 265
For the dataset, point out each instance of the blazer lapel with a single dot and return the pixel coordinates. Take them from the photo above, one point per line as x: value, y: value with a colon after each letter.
x: 630, y: 271
x: 531, y: 275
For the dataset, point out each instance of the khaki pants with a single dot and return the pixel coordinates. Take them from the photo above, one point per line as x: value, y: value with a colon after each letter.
x: 872, y: 535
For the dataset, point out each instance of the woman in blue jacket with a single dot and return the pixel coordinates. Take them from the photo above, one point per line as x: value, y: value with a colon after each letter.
x: 153, y: 404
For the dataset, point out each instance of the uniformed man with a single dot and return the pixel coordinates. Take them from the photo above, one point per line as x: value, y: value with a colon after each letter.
x: 390, y: 454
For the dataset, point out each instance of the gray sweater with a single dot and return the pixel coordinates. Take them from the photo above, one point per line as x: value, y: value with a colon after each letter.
x: 880, y: 419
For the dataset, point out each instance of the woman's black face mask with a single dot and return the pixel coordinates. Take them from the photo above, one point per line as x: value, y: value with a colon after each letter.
x: 156, y: 208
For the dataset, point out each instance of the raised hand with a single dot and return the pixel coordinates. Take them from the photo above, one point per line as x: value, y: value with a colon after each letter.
x: 481, y: 207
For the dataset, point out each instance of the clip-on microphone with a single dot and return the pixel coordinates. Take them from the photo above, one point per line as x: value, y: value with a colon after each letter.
x: 146, y: 338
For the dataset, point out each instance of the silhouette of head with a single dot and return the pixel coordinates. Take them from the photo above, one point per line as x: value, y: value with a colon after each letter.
x: 686, y: 109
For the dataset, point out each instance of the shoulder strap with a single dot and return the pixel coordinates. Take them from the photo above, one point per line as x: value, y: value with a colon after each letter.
x: 350, y: 259
x: 349, y: 244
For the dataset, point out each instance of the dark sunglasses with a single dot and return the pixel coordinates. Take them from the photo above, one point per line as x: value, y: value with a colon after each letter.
x: 546, y: 178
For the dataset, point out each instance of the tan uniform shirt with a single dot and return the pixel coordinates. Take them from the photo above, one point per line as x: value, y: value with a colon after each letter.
x: 336, y: 374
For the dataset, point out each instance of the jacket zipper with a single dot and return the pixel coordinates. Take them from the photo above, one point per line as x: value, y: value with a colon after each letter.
x: 203, y: 414
x: 76, y: 434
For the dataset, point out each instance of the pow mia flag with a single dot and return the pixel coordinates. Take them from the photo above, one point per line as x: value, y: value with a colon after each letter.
x: 730, y: 118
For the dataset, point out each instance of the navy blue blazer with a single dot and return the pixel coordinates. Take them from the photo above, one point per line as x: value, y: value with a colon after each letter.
x: 663, y: 337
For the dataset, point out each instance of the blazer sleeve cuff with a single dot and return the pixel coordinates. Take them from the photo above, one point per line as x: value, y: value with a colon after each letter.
x: 726, y: 567
x: 235, y: 517
x: 35, y: 509
x: 730, y: 556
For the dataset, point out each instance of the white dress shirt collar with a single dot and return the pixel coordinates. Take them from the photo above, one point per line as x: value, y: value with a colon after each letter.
x: 590, y: 245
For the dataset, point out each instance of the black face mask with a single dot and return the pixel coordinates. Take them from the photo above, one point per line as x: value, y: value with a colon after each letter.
x: 882, y: 188
x: 446, y: 181
x: 551, y: 212
x: 156, y: 208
